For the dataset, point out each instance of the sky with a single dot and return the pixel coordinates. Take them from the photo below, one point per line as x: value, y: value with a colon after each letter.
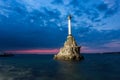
x: 41, y: 25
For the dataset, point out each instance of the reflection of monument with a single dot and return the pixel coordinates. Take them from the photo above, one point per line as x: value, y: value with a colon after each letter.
x: 70, y: 51
x: 69, y: 71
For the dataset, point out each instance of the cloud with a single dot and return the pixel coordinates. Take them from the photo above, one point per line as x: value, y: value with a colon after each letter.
x: 57, y: 2
x: 30, y: 34
x: 37, y: 35
x: 34, y: 51
x: 29, y: 24
x: 109, y: 7
x: 96, y: 40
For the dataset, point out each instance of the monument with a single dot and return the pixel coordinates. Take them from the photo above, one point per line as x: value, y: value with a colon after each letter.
x: 70, y: 51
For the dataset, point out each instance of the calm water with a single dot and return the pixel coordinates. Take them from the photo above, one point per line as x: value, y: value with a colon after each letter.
x: 43, y: 67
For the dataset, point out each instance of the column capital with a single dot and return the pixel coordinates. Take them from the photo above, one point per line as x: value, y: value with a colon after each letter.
x: 69, y: 17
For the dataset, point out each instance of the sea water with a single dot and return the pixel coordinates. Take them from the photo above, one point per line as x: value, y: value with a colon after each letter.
x: 43, y: 67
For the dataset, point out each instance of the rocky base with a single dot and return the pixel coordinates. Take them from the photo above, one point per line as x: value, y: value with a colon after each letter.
x: 70, y: 51
x: 68, y: 58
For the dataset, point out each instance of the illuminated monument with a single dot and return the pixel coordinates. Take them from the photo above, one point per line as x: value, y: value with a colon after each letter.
x: 70, y: 51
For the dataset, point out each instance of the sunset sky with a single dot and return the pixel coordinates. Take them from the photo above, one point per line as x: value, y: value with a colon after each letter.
x: 41, y: 25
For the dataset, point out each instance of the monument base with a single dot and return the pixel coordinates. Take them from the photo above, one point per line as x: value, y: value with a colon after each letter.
x: 70, y: 51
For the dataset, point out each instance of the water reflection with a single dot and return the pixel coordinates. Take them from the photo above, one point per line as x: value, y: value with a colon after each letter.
x: 94, y: 67
x: 69, y: 71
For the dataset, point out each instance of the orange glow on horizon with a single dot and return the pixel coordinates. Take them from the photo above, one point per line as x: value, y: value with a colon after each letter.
x: 52, y: 51
x: 36, y: 51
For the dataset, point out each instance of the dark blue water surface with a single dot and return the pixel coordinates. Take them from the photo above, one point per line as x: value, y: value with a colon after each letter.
x: 43, y: 67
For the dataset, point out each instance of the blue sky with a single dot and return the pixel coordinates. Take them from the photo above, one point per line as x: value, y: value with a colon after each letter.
x: 42, y: 24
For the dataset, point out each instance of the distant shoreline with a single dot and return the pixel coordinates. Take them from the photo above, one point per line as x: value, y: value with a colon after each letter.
x: 55, y: 53
x: 103, y: 53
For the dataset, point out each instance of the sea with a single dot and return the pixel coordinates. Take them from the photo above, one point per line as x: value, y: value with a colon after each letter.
x: 44, y: 67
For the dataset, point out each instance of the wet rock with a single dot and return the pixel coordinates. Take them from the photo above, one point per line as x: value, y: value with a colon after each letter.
x: 70, y: 51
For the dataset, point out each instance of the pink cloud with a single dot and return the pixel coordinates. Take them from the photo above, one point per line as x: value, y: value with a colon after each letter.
x: 51, y: 51
x: 35, y: 51
x: 84, y: 49
x: 114, y: 44
x: 91, y: 50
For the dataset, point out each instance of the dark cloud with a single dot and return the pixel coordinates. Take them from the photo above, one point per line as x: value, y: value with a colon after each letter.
x: 57, y: 2
x: 46, y: 27
x: 41, y: 38
x: 96, y: 39
x: 39, y: 34
x: 109, y: 8
x: 102, y: 7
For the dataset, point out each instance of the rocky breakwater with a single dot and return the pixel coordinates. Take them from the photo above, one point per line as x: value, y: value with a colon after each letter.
x: 70, y: 51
